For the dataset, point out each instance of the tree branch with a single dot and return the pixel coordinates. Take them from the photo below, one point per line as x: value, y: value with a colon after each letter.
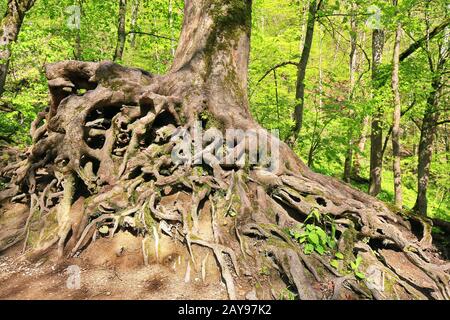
x: 150, y: 34
x: 419, y: 43
x: 442, y: 122
x: 282, y: 64
x: 386, y: 140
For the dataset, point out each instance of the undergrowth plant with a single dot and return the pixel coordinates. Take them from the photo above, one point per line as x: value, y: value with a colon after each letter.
x: 314, y: 233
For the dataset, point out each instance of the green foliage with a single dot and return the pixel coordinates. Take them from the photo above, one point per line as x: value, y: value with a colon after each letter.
x: 334, y: 114
x: 314, y: 237
x: 46, y: 37
x: 354, y: 267
x: 335, y: 262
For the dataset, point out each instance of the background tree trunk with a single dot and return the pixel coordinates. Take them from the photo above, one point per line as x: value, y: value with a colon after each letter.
x: 301, y: 70
x: 376, y: 136
x: 425, y: 154
x: 121, y: 33
x: 172, y: 40
x: 9, y: 31
x: 352, y: 71
x: 396, y: 118
x: 429, y: 124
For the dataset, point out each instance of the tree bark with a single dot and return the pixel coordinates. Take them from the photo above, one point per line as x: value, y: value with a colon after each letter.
x: 301, y: 70
x: 9, y: 31
x: 376, y: 135
x: 396, y: 118
x: 361, y: 145
x: 121, y: 33
x: 425, y: 154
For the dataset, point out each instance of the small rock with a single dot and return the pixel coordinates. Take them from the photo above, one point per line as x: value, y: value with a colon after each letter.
x: 251, y: 295
x: 247, y: 273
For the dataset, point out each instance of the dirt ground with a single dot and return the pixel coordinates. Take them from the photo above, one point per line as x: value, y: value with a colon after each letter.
x: 106, y: 272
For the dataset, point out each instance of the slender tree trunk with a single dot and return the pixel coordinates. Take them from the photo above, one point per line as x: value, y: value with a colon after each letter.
x: 301, y: 71
x: 361, y: 145
x: 396, y: 118
x: 425, y: 154
x: 134, y: 17
x: 447, y: 143
x: 315, y: 136
x: 428, y: 130
x: 376, y: 135
x: 121, y: 34
x: 172, y: 40
x: 352, y: 71
x: 277, y: 100
x: 9, y: 31
x: 303, y: 12
x: 361, y: 141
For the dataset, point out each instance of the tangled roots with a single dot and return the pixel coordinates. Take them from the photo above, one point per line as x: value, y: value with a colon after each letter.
x: 101, y: 162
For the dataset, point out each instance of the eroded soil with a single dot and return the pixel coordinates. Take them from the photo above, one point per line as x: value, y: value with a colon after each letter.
x: 104, y: 274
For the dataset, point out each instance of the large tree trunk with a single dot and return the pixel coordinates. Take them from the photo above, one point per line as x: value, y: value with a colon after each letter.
x: 376, y: 135
x: 121, y: 33
x: 111, y: 150
x: 396, y: 118
x: 9, y: 31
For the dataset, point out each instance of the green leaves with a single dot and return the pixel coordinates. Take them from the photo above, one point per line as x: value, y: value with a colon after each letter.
x: 334, y: 263
x: 319, y: 249
x: 313, y: 236
x: 354, y: 266
x: 104, y: 230
x: 339, y: 256
x: 309, y: 248
x: 322, y: 235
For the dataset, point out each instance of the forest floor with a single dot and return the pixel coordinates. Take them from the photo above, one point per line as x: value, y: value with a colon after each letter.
x: 101, y: 278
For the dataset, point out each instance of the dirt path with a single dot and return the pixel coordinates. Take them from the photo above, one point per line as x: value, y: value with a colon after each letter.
x: 101, y: 276
x: 48, y: 281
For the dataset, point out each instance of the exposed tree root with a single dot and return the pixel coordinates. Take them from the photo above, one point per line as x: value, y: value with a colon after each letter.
x: 107, y: 154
